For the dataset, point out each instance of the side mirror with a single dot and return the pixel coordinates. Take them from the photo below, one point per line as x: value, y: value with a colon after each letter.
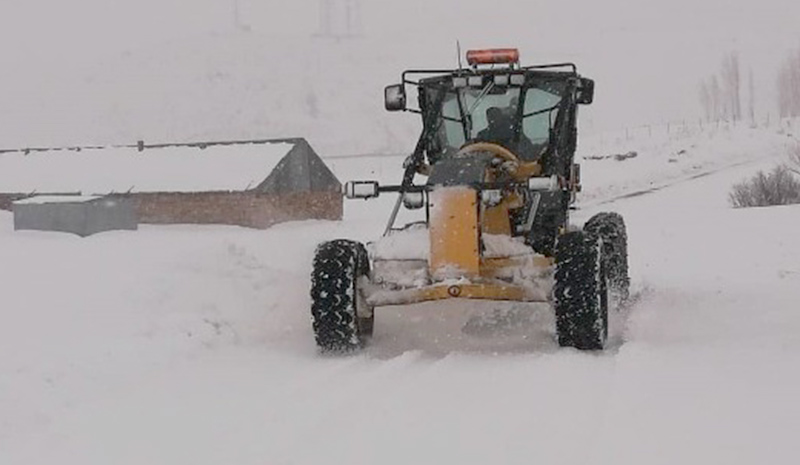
x: 394, y: 97
x: 584, y: 94
x: 361, y: 189
x: 414, y: 200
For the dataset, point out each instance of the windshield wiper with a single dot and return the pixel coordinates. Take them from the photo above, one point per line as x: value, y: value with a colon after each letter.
x: 480, y: 97
x: 544, y: 110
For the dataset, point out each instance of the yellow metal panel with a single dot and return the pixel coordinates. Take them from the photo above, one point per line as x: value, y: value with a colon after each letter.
x: 454, y: 233
x: 497, y: 220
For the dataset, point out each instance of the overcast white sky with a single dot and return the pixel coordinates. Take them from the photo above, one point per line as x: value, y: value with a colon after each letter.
x: 647, y: 57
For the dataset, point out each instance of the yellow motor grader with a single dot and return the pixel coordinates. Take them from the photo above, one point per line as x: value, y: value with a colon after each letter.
x: 496, y: 156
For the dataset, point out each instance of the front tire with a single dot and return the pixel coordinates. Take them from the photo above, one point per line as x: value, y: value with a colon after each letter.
x: 610, y: 228
x: 341, y: 317
x: 580, y: 292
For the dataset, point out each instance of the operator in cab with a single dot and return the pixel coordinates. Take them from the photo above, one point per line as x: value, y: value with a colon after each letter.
x: 500, y: 130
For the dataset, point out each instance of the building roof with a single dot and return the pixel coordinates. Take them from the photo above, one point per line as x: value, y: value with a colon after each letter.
x: 201, y: 167
x: 45, y: 199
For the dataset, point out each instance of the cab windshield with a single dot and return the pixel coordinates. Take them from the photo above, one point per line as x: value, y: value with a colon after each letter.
x: 518, y: 118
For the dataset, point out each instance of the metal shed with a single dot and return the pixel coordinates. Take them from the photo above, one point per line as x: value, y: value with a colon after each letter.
x: 79, y: 215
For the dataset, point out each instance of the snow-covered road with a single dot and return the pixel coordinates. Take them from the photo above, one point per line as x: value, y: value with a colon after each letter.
x: 192, y: 345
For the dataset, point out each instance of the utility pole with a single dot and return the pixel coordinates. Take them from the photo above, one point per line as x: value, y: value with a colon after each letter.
x: 352, y: 11
x: 339, y: 19
x: 324, y: 18
x: 238, y: 25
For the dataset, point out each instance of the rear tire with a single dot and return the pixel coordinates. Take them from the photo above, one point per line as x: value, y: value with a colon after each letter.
x: 341, y: 317
x: 580, y: 292
x: 610, y: 228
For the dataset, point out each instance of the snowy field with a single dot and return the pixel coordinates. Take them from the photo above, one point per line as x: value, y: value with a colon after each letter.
x: 192, y: 345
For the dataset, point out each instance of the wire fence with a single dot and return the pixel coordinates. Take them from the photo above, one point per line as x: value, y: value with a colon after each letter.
x: 688, y: 129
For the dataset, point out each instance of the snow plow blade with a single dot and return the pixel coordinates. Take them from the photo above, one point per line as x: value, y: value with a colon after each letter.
x: 443, y: 291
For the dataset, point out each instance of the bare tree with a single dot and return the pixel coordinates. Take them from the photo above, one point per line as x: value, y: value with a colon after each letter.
x: 731, y: 81
x: 716, y: 100
x: 789, y: 87
x: 751, y: 97
x: 720, y: 96
x: 705, y: 100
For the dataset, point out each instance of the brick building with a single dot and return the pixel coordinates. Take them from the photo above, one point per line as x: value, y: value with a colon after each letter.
x: 248, y: 183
